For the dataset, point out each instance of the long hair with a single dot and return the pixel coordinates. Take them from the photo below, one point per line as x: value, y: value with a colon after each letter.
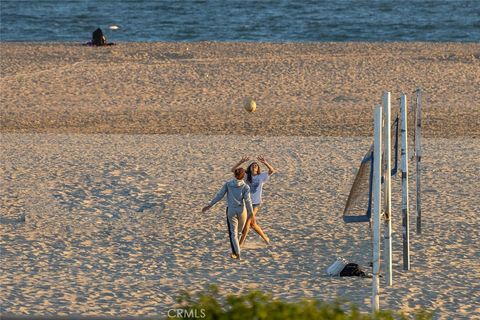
x: 249, y: 171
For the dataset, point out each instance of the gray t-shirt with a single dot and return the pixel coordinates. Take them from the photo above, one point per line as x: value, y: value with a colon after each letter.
x: 256, y: 186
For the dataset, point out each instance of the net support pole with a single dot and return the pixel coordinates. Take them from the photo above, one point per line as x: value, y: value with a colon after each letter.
x: 377, y: 192
x: 387, y: 193
x: 404, y: 169
x: 418, y: 158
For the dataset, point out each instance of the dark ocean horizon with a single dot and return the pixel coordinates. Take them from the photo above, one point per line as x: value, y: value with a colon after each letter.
x: 236, y: 20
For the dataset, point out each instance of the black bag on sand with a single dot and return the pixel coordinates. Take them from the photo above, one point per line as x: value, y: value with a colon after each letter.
x: 352, y: 270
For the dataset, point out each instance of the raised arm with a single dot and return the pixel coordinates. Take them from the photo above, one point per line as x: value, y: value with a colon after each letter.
x: 271, y: 170
x: 242, y: 161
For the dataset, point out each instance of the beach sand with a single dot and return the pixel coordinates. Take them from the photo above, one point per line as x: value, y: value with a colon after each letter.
x: 109, y: 154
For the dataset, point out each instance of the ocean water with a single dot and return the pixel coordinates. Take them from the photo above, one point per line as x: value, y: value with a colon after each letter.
x: 241, y: 20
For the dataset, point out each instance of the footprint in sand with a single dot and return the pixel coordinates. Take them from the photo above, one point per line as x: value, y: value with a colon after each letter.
x: 253, y: 245
x: 120, y: 189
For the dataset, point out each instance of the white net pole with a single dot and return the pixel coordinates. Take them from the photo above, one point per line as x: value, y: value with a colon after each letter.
x: 377, y: 193
x: 387, y: 194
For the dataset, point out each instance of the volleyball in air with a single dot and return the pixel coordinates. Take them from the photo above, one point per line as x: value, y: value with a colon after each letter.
x: 249, y: 104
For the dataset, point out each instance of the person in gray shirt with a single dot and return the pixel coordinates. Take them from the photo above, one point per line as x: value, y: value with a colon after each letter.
x: 238, y: 197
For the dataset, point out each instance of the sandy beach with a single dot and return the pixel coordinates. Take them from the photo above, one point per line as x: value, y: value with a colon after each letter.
x: 109, y: 154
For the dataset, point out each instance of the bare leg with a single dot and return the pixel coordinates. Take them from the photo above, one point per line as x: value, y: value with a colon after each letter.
x: 260, y: 232
x: 245, y: 230
x: 251, y: 222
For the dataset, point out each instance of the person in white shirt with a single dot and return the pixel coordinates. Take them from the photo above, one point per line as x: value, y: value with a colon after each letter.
x: 255, y: 180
